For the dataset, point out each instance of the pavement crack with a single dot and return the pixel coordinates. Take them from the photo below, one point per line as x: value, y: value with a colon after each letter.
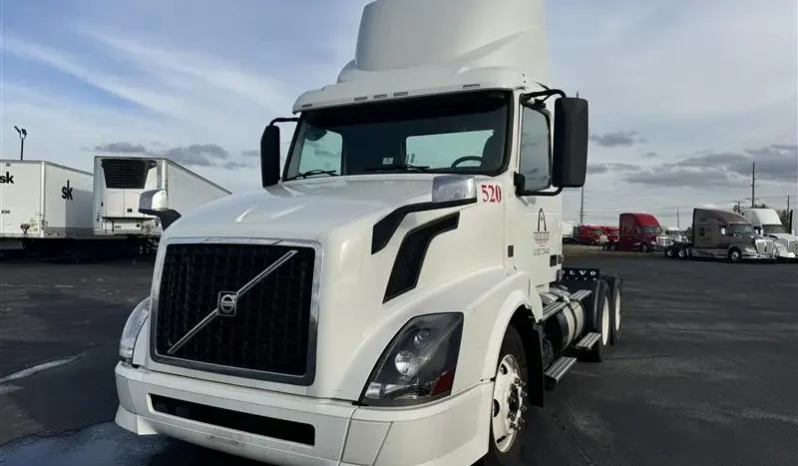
x: 580, y: 448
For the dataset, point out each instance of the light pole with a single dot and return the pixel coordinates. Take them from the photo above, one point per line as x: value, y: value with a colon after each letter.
x: 23, y: 133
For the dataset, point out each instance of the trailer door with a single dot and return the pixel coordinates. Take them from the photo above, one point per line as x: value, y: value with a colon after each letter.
x: 20, y: 199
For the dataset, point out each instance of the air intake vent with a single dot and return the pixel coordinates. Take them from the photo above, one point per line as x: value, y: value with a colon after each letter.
x: 410, y: 257
x: 127, y: 173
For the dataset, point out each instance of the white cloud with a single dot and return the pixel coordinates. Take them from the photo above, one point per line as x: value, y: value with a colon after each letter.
x: 715, y: 75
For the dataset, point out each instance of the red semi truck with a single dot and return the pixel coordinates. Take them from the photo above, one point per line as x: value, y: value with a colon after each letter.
x: 589, y: 234
x: 640, y: 232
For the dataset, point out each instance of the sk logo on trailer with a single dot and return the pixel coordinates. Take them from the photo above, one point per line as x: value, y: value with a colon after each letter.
x: 66, y: 192
x: 228, y: 303
x: 8, y: 178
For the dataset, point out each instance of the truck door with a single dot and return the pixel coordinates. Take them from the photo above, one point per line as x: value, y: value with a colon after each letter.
x: 535, y: 220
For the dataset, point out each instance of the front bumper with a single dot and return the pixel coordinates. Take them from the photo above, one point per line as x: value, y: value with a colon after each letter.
x: 747, y: 255
x: 453, y: 432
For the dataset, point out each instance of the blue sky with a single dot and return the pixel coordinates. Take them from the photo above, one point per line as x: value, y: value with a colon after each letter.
x: 683, y: 94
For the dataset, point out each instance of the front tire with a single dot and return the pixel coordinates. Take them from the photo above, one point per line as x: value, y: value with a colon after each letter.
x: 735, y: 255
x: 508, y: 409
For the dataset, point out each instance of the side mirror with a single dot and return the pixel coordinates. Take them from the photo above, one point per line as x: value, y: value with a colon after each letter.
x: 454, y: 190
x: 569, y: 167
x: 155, y: 202
x: 270, y: 156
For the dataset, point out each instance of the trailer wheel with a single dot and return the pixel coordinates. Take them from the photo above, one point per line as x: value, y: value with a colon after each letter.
x: 616, y: 307
x: 604, y: 324
x: 734, y: 255
x: 508, y: 409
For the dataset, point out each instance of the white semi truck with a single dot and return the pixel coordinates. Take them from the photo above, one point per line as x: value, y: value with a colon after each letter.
x: 766, y: 222
x: 377, y: 311
x: 119, y: 182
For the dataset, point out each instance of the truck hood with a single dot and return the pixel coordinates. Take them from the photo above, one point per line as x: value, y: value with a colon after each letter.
x: 784, y: 236
x: 306, y: 209
x: 354, y: 323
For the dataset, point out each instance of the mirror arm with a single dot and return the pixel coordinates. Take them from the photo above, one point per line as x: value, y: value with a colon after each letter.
x: 284, y: 120
x: 518, y: 181
x: 545, y: 94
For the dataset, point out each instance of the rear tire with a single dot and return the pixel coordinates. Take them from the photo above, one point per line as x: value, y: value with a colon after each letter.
x: 509, y: 404
x: 682, y: 253
x: 616, y: 307
x: 603, y: 325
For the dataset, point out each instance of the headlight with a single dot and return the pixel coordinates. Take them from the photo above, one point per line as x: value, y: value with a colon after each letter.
x: 750, y: 249
x: 419, y: 364
x: 132, y: 329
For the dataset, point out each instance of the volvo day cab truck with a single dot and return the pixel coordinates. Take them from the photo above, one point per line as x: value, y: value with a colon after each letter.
x: 119, y: 182
x: 379, y: 311
x: 766, y: 222
x: 722, y: 234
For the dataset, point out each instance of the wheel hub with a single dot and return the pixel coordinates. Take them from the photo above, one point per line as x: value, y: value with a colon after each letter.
x: 509, y: 403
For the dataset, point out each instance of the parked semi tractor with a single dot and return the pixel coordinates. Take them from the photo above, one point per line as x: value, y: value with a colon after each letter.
x: 640, y: 232
x: 334, y: 318
x: 721, y: 234
x: 766, y: 222
x: 45, y: 207
x: 120, y: 181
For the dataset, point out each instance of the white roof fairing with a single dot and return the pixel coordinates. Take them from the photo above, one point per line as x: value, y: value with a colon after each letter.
x: 418, y: 47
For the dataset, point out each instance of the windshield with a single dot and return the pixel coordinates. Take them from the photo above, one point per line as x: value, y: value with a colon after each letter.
x: 774, y: 229
x: 458, y: 133
x: 741, y: 228
x: 651, y: 230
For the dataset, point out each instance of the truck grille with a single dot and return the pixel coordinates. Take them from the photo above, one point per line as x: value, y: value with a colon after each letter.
x: 792, y: 246
x: 764, y: 247
x: 269, y: 330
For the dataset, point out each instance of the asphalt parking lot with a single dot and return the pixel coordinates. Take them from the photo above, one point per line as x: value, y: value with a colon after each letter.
x: 706, y: 373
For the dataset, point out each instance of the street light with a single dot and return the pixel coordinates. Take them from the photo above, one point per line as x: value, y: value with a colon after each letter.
x: 23, y: 133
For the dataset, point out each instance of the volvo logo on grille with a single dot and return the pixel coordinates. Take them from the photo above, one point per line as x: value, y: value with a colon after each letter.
x: 228, y: 303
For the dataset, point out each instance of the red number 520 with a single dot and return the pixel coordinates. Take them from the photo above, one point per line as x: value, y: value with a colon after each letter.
x: 491, y: 193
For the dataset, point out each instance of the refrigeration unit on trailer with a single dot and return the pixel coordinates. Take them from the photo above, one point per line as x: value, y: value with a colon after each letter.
x: 43, y: 201
x: 373, y: 310
x: 120, y: 181
x: 722, y: 234
x: 766, y: 222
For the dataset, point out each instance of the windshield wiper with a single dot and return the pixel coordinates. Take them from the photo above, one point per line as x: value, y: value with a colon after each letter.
x: 403, y: 167
x: 313, y: 172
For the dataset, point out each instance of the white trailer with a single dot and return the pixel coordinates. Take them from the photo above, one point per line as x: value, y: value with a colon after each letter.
x: 766, y: 222
x: 42, y: 200
x: 120, y: 181
x: 793, y: 222
x: 404, y: 305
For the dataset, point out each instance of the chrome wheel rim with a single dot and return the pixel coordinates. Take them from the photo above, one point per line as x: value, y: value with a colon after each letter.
x: 509, y: 403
